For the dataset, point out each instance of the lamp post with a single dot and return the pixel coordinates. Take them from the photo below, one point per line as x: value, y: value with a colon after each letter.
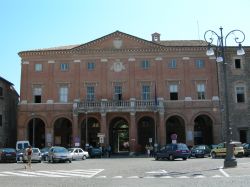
x: 209, y: 36
x: 86, y: 130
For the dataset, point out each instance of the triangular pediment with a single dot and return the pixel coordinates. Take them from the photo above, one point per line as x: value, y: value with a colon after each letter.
x: 118, y: 41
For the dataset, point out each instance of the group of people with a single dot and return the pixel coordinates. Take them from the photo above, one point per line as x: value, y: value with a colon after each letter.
x: 149, y: 150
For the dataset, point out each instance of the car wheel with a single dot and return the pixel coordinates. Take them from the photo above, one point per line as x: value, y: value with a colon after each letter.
x: 184, y: 158
x: 171, y: 157
x: 213, y: 155
x: 156, y: 158
x: 84, y: 157
x: 69, y: 161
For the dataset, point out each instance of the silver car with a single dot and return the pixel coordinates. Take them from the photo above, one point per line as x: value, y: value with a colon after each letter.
x: 78, y: 153
x: 35, y: 157
x: 57, y: 154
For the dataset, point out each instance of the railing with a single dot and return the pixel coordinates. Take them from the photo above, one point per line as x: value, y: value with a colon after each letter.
x: 133, y: 105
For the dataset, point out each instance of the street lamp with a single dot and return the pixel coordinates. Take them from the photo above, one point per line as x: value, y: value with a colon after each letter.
x: 209, y: 36
x: 86, y: 130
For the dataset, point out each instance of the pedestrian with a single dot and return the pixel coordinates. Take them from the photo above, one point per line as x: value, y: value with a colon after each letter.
x: 109, y: 150
x: 28, y: 153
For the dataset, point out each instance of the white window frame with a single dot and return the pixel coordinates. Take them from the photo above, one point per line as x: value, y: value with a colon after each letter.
x: 145, y: 92
x: 201, y: 91
x: 38, y: 67
x: 63, y: 94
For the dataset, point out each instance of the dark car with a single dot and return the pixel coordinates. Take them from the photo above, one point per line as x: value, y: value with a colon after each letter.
x: 95, y: 152
x: 20, y: 154
x: 44, y: 153
x: 246, y: 148
x: 200, y: 151
x: 7, y: 155
x: 173, y: 151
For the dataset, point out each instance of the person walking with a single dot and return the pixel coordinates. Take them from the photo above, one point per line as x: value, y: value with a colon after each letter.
x: 28, y: 153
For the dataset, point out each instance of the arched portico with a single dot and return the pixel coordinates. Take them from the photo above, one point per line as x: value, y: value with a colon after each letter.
x: 119, y: 135
x: 36, y: 129
x: 175, y: 125
x: 90, y: 127
x: 63, y: 132
x: 203, y: 130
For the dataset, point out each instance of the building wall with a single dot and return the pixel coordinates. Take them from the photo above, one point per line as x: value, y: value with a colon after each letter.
x: 8, y: 112
x: 131, y: 77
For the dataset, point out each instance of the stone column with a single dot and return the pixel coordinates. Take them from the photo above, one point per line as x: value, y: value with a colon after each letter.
x: 132, y: 134
x: 104, y: 128
x: 75, y: 131
x: 162, y: 130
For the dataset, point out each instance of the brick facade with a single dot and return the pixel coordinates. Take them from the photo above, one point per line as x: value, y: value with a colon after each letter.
x: 123, y: 87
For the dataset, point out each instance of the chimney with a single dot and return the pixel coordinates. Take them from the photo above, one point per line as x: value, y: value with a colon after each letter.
x: 156, y: 37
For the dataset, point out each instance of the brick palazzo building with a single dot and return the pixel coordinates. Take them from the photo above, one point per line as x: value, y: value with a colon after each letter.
x: 130, y: 91
x: 8, y: 111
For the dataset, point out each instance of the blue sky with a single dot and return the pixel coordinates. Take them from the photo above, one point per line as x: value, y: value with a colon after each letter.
x: 34, y: 24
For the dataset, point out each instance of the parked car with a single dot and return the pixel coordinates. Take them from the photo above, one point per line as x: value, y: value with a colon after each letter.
x: 78, y: 153
x: 95, y: 152
x: 200, y: 151
x: 246, y: 148
x: 44, y: 153
x: 57, y: 154
x: 7, y: 155
x: 173, y: 151
x: 23, y: 144
x: 220, y: 150
x: 35, y: 157
x: 19, y: 155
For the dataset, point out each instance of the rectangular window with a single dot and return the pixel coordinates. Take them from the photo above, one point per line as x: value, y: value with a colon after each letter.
x: 91, y: 66
x: 1, y: 91
x: 237, y: 63
x: 172, y: 64
x: 201, y: 91
x: 145, y: 92
x: 199, y: 64
x: 38, y: 67
x: 117, y: 93
x: 145, y: 64
x: 64, y: 67
x: 240, y: 94
x: 37, y: 94
x: 1, y: 120
x: 90, y: 93
x: 63, y: 94
x: 173, y: 90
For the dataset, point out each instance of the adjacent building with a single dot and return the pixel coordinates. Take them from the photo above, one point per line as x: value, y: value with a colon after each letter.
x: 8, y: 113
x: 120, y: 90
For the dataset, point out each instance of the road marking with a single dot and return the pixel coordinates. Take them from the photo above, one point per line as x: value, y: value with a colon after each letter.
x: 224, y: 173
x: 117, y: 177
x: 159, y: 171
x: 166, y: 177
x: 182, y: 177
x: 149, y: 177
x: 54, y: 173
x: 216, y: 176
x: 133, y: 177
x: 101, y: 177
x: 199, y: 176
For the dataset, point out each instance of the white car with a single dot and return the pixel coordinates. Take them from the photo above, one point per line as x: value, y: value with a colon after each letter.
x: 78, y: 153
x: 35, y: 157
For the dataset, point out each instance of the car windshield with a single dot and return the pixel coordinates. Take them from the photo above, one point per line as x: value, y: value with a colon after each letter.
x: 182, y: 147
x: 9, y: 150
x: 35, y: 150
x: 60, y: 150
x: 199, y: 147
x: 71, y: 150
x: 45, y: 149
